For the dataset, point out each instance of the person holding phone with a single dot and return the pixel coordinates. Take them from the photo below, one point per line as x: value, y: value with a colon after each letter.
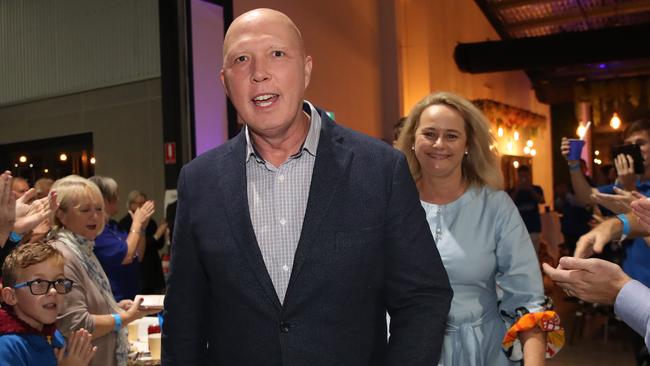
x: 637, y: 253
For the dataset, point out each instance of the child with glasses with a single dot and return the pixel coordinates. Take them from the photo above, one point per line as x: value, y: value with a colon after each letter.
x: 33, y: 280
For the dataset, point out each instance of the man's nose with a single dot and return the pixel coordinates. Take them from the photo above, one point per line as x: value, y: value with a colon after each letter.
x: 260, y: 71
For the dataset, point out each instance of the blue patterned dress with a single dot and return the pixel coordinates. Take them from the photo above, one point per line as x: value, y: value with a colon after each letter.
x: 493, y: 271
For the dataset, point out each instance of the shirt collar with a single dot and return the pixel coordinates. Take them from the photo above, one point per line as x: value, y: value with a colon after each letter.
x: 311, y: 141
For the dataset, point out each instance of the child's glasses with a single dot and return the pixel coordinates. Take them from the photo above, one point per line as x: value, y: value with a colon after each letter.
x: 41, y: 287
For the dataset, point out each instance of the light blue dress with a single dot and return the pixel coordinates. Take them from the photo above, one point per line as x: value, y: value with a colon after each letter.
x: 493, y: 271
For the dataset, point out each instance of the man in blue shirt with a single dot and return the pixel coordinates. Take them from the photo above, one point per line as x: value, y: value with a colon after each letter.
x: 527, y: 197
x: 637, y: 253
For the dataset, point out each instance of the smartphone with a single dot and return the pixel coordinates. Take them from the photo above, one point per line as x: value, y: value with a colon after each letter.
x: 634, y: 151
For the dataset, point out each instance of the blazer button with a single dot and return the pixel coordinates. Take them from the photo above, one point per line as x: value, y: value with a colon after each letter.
x: 284, y: 327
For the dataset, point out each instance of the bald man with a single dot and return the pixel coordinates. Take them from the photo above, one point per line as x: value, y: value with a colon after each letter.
x: 294, y: 239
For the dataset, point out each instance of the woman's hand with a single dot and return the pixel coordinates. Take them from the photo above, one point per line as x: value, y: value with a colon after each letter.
x: 162, y: 229
x: 134, y: 312
x: 78, y: 350
x: 125, y: 304
x: 142, y: 215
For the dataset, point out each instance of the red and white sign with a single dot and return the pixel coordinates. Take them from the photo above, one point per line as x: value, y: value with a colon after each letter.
x: 170, y: 153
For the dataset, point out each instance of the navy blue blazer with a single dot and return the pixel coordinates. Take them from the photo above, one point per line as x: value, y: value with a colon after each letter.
x: 365, y: 248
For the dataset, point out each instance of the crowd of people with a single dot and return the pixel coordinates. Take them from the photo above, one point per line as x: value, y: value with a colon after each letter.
x: 293, y: 240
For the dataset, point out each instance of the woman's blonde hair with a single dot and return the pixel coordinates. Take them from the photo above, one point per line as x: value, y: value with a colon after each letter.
x: 70, y: 191
x: 480, y: 167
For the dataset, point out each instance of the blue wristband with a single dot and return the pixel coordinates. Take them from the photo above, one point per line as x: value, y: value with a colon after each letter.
x: 574, y: 166
x: 626, y: 224
x: 118, y: 322
x: 15, y: 237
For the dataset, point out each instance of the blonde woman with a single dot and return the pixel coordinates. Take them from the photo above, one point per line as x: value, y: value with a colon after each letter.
x: 90, y: 304
x: 481, y: 238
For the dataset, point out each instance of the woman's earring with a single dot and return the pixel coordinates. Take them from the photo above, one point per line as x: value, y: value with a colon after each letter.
x: 466, y: 152
x: 413, y: 147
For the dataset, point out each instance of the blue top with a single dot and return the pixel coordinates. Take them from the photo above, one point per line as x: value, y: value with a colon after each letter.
x: 633, y: 307
x: 637, y: 253
x: 529, y: 209
x: 110, y: 249
x: 492, y: 269
x: 29, y: 349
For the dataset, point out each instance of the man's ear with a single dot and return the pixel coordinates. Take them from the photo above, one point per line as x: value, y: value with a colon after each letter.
x: 222, y: 77
x: 308, y: 66
x: 9, y: 296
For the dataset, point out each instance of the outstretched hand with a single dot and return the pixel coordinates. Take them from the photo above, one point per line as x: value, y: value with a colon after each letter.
x: 78, y: 350
x: 592, y: 242
x: 7, y: 205
x: 593, y: 280
x: 641, y: 209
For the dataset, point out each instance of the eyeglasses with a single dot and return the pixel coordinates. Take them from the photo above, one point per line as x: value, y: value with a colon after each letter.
x: 41, y: 287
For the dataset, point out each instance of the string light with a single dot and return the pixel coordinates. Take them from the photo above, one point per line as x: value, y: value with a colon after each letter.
x: 500, y: 131
x: 526, y: 149
x: 615, y: 122
x: 22, y: 159
x: 533, y: 152
x: 596, y: 152
x: 63, y: 157
x: 516, y: 135
x: 515, y: 164
x: 529, y: 143
x: 92, y: 160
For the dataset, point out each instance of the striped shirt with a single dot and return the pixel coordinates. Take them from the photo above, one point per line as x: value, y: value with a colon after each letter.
x: 277, y: 200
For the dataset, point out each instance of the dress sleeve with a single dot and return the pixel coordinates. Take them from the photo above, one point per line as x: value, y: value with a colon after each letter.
x: 519, y: 280
x: 75, y: 313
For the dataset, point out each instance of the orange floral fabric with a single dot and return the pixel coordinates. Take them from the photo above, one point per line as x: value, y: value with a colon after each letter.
x: 548, y: 321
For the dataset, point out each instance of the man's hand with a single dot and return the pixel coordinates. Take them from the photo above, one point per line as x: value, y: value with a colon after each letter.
x: 564, y: 147
x: 618, y: 203
x: 625, y: 169
x: 593, y: 280
x: 595, y: 240
x: 78, y: 350
x: 641, y: 209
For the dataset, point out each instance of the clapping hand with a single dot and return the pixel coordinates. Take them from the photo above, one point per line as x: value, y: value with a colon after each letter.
x: 7, y: 206
x: 29, y: 216
x: 142, y: 215
x: 78, y: 350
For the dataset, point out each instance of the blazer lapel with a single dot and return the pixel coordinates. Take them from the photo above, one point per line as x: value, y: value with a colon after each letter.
x: 331, y: 162
x: 233, y: 184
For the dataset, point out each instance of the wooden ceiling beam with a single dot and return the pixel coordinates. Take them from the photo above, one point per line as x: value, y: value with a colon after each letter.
x: 613, y: 10
x: 601, y: 45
